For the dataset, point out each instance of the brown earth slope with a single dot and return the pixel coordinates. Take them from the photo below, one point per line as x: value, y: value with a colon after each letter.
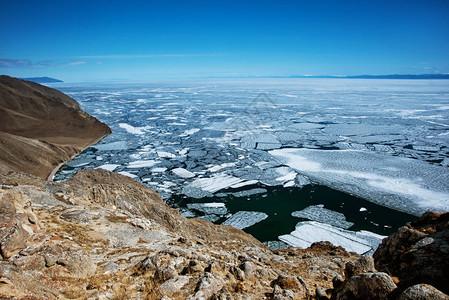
x: 41, y: 127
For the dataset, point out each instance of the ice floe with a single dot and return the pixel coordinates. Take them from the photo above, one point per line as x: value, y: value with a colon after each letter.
x: 309, y: 232
x: 111, y: 146
x: 215, y: 208
x: 216, y: 182
x: 244, y: 219
x: 163, y: 154
x: 323, y: 215
x: 141, y: 164
x: 109, y: 167
x: 400, y: 183
x: 134, y: 130
x: 181, y: 172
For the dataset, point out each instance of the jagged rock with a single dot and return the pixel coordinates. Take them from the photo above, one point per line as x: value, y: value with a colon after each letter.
x: 422, y: 292
x: 364, y: 264
x: 291, y: 283
x: 248, y: 268
x: 173, y: 285
x: 337, y: 281
x: 418, y: 253
x: 366, y: 286
x: 208, y: 285
x: 281, y: 294
x: 321, y: 293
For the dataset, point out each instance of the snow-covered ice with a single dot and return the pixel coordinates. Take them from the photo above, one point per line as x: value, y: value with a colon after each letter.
x: 141, y: 164
x: 309, y: 232
x: 216, y: 182
x: 181, y: 172
x: 109, y: 167
x: 401, y: 183
x: 323, y: 215
x: 216, y: 208
x: 134, y: 130
x: 244, y: 219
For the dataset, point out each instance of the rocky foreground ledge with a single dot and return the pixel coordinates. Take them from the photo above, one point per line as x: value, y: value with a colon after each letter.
x: 101, y: 235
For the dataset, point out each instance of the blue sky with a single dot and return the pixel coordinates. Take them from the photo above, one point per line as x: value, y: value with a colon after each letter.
x: 102, y: 40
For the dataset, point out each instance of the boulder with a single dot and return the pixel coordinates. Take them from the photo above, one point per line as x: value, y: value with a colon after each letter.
x: 422, y: 292
x: 418, y: 253
x: 366, y: 286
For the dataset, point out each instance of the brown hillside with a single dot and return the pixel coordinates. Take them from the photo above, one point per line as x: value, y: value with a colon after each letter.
x: 42, y: 125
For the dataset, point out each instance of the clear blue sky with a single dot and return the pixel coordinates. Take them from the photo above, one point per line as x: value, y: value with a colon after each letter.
x: 100, y: 40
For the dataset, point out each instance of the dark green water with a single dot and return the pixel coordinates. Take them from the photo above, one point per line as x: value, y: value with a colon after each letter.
x: 278, y: 203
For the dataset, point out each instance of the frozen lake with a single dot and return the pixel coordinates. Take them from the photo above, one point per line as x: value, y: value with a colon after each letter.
x: 248, y: 146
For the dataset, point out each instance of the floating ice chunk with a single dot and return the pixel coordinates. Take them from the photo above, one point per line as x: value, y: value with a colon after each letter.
x: 158, y: 170
x: 134, y: 130
x: 426, y: 148
x: 400, y: 183
x: 383, y: 148
x: 111, y: 146
x: 289, y: 183
x: 260, y: 141
x: 287, y: 177
x: 194, y: 192
x: 109, y: 167
x: 345, y: 145
x: 244, y: 183
x: 163, y: 154
x: 222, y: 166
x: 357, y: 129
x: 215, y: 208
x: 190, y: 131
x: 181, y: 172
x: 323, y: 215
x: 244, y: 219
x: 379, y: 138
x: 302, y: 180
x: 128, y: 174
x: 249, y: 192
x: 216, y: 182
x: 141, y: 164
x: 307, y: 126
x: 363, y: 209
x: 309, y: 232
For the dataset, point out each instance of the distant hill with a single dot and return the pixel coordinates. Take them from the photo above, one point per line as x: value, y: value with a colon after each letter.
x: 41, y: 127
x: 392, y: 76
x: 42, y: 79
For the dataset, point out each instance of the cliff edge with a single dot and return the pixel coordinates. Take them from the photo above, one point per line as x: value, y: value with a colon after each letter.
x: 41, y: 127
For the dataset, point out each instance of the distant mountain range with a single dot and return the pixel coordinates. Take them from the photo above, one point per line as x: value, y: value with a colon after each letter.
x: 42, y: 79
x: 392, y: 76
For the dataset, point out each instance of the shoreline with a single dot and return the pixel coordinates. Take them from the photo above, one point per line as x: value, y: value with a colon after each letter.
x: 56, y: 169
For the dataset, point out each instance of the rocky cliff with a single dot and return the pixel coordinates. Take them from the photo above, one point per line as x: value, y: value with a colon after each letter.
x: 101, y: 235
x: 41, y: 127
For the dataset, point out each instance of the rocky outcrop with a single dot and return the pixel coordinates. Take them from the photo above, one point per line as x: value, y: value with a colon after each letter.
x: 409, y: 264
x: 418, y: 253
x: 40, y: 127
x: 104, y: 235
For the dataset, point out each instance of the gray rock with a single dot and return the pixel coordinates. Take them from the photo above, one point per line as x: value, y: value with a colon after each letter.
x: 367, y: 286
x: 321, y: 294
x: 422, y: 292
